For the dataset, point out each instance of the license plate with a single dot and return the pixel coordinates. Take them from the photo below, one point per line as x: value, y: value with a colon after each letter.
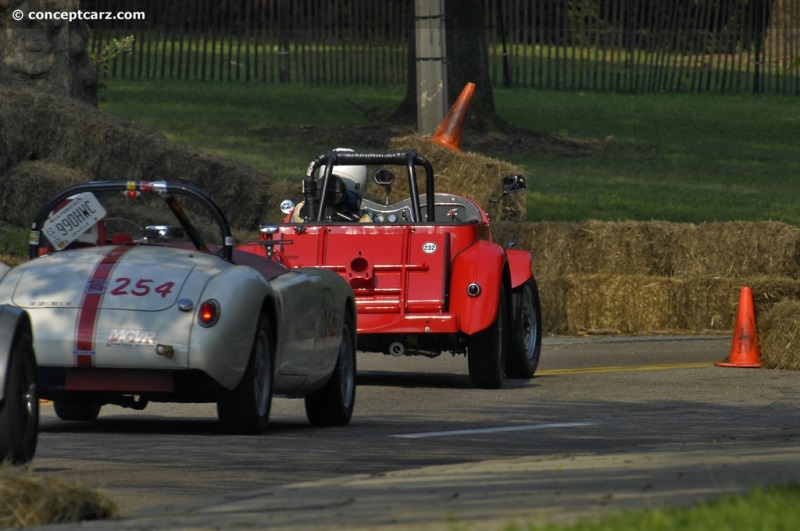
x: 79, y: 214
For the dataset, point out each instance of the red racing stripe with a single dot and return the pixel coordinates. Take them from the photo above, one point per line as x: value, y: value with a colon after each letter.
x: 90, y: 306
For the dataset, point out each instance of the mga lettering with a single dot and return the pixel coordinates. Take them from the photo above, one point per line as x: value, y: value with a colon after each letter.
x: 128, y: 337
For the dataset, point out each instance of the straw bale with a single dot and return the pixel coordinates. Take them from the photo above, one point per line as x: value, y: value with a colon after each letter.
x: 658, y: 248
x: 590, y: 247
x: 36, y: 126
x: 548, y: 242
x: 28, y: 500
x: 553, y: 295
x: 730, y: 248
x: 624, y: 304
x: 469, y: 174
x: 28, y: 185
x: 779, y: 335
x: 711, y: 303
x: 639, y: 304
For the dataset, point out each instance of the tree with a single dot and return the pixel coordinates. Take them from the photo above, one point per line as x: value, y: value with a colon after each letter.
x: 467, y: 61
x: 47, y: 55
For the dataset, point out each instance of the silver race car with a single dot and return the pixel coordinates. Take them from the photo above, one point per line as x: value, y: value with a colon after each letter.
x: 136, y: 294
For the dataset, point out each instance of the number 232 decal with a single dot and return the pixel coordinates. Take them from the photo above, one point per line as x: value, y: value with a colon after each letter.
x: 140, y: 288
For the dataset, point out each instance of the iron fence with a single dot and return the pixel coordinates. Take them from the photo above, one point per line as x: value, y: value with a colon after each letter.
x: 730, y: 46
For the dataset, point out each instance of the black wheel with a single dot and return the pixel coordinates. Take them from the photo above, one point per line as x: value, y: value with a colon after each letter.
x: 525, y: 343
x: 245, y: 409
x: 486, y: 350
x: 76, y: 408
x: 332, y: 405
x: 19, y: 412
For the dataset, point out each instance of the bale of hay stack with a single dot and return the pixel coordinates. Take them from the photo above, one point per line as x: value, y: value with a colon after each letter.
x: 726, y: 249
x: 548, y: 242
x: 608, y: 304
x: 66, y: 132
x: 644, y: 304
x: 468, y: 174
x: 28, y: 500
x: 29, y: 184
x: 779, y: 335
x: 730, y: 249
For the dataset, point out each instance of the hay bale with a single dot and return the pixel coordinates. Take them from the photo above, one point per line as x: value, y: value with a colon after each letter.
x: 36, y: 126
x: 725, y: 249
x: 622, y: 304
x: 590, y: 247
x: 548, y: 242
x: 779, y: 335
x: 27, y: 500
x: 642, y: 304
x: 553, y: 295
x: 730, y: 248
x: 471, y: 175
x: 711, y: 303
x: 29, y: 184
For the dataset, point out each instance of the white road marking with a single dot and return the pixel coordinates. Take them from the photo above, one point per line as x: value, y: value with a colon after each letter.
x: 499, y: 429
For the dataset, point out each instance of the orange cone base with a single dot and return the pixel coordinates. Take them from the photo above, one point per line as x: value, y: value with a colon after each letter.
x: 444, y: 143
x: 740, y: 365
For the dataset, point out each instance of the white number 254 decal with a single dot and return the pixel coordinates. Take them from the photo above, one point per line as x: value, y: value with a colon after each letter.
x: 141, y: 287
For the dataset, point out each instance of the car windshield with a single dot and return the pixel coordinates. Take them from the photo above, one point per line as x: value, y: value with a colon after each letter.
x: 103, y: 216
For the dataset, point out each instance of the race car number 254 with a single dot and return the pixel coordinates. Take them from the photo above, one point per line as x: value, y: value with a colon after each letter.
x: 78, y: 215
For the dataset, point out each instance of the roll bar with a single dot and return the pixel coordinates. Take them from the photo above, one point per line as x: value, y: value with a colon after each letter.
x: 411, y: 159
x: 164, y: 189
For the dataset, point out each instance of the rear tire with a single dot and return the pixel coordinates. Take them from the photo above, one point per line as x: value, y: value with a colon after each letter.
x: 486, y: 350
x: 332, y: 405
x: 244, y: 410
x: 525, y: 342
x: 19, y: 412
x: 76, y: 409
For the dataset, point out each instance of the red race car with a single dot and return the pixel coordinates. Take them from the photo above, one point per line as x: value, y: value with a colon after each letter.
x: 426, y: 274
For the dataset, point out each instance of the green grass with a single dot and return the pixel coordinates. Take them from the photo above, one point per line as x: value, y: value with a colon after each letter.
x: 230, y: 118
x: 672, y: 157
x: 13, y: 245
x: 770, y: 508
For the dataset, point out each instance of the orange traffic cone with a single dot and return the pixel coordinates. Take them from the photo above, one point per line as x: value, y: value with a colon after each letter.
x: 449, y: 132
x: 744, y: 351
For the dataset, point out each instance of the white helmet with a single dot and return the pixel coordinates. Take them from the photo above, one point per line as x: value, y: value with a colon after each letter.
x: 354, y: 177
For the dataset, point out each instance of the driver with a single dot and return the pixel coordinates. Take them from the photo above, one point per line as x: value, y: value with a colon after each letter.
x: 354, y: 179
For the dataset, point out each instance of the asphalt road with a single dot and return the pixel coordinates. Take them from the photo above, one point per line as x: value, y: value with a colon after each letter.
x: 607, y: 422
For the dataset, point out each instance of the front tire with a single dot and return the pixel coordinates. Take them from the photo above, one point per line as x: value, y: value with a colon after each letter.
x: 245, y: 409
x: 19, y: 413
x: 486, y: 350
x: 525, y: 343
x: 332, y: 405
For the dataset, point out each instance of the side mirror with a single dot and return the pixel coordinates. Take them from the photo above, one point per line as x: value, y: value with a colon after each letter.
x: 384, y: 177
x: 513, y: 184
x: 287, y: 205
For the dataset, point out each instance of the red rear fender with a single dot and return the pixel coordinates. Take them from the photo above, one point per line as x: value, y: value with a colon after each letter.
x: 475, y: 284
x: 521, y: 265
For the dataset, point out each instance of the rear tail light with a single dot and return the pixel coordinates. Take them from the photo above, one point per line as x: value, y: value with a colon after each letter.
x: 208, y: 313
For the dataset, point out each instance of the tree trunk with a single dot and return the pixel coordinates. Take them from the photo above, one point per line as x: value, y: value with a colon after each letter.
x: 47, y: 55
x: 467, y: 61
